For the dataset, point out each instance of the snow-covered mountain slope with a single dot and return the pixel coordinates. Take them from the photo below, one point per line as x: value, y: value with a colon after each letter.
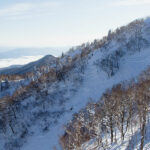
x: 20, y: 76
x: 131, y: 141
x: 94, y: 84
x: 36, y: 118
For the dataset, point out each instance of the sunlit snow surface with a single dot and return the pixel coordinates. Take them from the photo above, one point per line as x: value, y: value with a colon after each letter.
x: 93, y: 86
x: 18, y: 61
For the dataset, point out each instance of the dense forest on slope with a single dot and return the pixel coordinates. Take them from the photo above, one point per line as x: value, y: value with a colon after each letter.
x: 123, y: 109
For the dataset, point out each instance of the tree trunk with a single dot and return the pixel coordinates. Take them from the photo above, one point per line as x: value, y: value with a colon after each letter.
x: 143, y: 131
x: 111, y: 130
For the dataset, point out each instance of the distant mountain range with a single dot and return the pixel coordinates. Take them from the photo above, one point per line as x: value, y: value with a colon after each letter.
x: 21, y: 69
x: 20, y: 52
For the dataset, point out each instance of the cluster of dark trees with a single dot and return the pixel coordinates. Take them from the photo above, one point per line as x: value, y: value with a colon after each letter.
x: 11, y: 77
x: 119, y: 110
x: 111, y: 63
x: 4, y: 85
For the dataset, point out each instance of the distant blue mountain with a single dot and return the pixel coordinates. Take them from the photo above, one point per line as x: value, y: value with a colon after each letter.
x: 20, y: 52
x: 47, y: 60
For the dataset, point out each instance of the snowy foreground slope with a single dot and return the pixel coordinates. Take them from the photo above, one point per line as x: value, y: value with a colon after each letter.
x: 92, y: 88
x: 40, y: 115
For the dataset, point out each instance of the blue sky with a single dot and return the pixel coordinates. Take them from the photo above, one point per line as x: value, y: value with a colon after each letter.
x: 49, y: 23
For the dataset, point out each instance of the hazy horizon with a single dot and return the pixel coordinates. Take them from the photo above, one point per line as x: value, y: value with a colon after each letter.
x: 57, y: 23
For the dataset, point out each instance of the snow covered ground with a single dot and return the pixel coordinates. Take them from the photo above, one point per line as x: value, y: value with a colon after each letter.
x: 131, y: 140
x: 95, y: 83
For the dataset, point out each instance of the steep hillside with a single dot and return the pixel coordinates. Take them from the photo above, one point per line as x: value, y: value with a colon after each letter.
x: 34, y: 116
x: 119, y: 120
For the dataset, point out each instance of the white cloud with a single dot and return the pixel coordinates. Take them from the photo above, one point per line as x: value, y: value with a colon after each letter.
x: 131, y: 2
x: 27, y: 9
x: 18, y: 61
